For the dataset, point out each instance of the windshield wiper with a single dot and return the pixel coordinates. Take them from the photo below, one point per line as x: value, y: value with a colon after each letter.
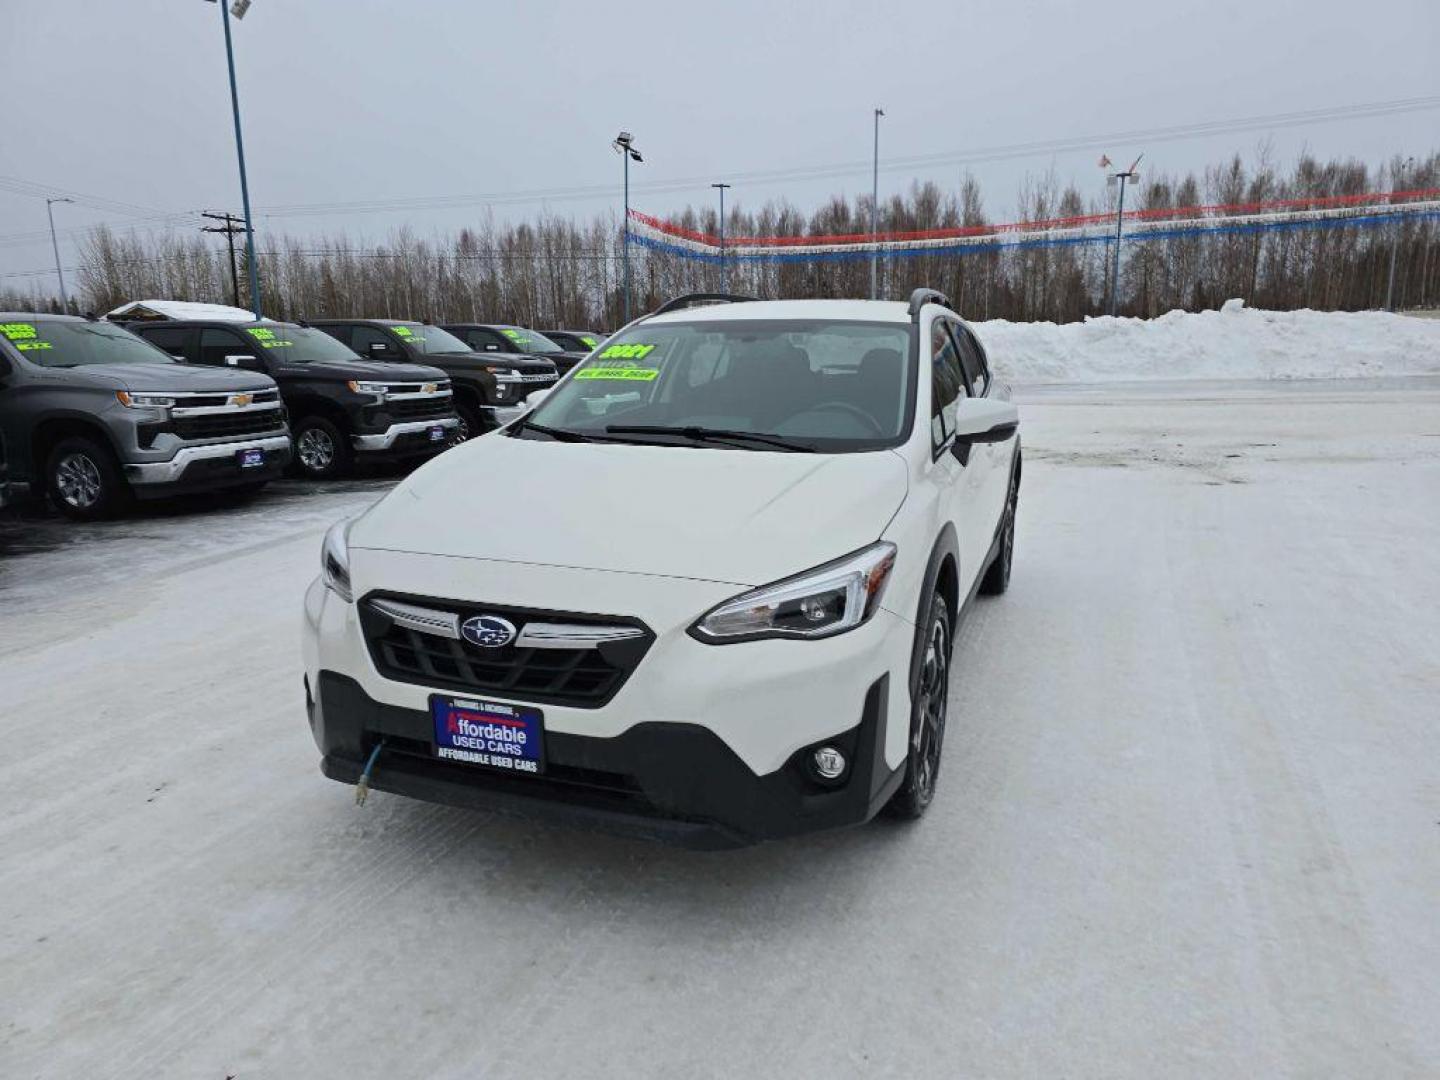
x: 558, y: 434
x: 706, y: 434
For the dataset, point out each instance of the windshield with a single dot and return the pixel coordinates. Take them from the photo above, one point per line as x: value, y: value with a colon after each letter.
x: 300, y: 344
x: 431, y: 340
x: 55, y: 344
x: 828, y: 386
x: 528, y: 340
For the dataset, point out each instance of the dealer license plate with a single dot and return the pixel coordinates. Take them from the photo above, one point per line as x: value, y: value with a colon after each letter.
x: 250, y: 458
x: 437, y: 433
x: 489, y: 733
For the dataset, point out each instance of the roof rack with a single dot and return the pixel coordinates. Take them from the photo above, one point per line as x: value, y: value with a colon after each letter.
x: 920, y: 297
x: 691, y: 299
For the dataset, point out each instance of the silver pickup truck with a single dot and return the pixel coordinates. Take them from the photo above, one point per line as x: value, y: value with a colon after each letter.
x: 93, y: 415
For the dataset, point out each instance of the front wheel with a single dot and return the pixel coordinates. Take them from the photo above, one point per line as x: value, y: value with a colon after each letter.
x: 84, y: 479
x: 322, y: 452
x: 472, y: 423
x: 927, y: 717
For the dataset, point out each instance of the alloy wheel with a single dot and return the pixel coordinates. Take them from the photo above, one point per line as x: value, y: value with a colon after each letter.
x: 929, y: 734
x: 316, y: 449
x: 77, y: 478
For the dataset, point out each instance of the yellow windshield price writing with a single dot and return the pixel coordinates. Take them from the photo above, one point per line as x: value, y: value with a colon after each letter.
x: 589, y: 342
x: 267, y: 338
x: 17, y: 331
x: 627, y: 352
x: 622, y: 374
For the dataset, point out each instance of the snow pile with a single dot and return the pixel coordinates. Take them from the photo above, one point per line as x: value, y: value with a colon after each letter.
x: 1234, y: 343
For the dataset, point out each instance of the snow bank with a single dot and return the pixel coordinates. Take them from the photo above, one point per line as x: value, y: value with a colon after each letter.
x: 1234, y: 343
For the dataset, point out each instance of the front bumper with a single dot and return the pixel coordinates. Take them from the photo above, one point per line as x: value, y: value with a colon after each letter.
x: 673, y: 782
x: 387, y: 439
x: 211, y: 464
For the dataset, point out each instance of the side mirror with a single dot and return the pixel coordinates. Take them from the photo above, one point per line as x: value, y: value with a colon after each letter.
x: 492, y: 348
x: 246, y: 361
x: 981, y: 420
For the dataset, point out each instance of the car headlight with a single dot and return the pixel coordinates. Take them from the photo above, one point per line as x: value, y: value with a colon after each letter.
x: 144, y: 401
x: 379, y: 389
x: 819, y: 603
x: 335, y: 560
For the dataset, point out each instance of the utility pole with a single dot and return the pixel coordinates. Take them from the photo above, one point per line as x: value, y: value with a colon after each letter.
x: 55, y: 246
x: 1394, y: 247
x: 874, y: 205
x: 232, y: 226
x: 724, y: 278
x: 240, y: 8
x: 623, y: 146
x: 1129, y: 176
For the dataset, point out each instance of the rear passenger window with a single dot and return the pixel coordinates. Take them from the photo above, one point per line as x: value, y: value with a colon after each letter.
x: 947, y: 383
x: 365, y: 338
x: 170, y: 338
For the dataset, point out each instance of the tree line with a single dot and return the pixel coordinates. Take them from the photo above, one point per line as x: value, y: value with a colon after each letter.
x: 563, y: 272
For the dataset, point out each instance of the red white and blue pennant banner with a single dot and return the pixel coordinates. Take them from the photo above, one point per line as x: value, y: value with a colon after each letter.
x: 1367, y: 210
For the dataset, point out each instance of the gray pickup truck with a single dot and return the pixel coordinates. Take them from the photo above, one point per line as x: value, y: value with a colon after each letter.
x: 93, y: 415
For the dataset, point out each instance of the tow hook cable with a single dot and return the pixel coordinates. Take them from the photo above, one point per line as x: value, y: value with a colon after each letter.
x: 362, y: 789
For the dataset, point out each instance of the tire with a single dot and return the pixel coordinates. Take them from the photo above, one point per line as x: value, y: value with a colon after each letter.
x: 322, y: 450
x: 927, y: 717
x: 472, y: 423
x: 997, y: 577
x: 84, y: 479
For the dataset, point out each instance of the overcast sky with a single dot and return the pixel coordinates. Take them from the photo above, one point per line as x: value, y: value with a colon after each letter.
x: 375, y: 100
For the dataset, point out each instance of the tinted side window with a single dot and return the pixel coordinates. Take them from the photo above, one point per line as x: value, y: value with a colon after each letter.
x: 170, y: 338
x: 972, y: 358
x: 482, y: 340
x: 947, y: 383
x: 364, y: 337
x: 340, y: 333
x: 216, y: 345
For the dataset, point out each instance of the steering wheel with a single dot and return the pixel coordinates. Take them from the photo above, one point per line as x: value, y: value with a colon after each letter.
x: 850, y: 410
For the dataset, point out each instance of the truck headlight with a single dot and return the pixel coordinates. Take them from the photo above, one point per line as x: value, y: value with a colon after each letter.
x: 144, y: 401
x: 819, y: 603
x: 379, y: 389
x: 335, y: 559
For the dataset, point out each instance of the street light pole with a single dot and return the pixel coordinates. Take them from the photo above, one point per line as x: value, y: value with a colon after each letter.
x: 241, y: 6
x: 1129, y: 176
x: 874, y: 205
x: 55, y: 246
x: 724, y: 278
x: 623, y: 145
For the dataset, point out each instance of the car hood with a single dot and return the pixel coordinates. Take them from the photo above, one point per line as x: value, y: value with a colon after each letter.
x: 375, y: 370
x: 737, y: 516
x: 146, y: 378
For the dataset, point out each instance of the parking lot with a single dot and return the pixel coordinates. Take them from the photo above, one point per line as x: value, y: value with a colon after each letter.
x: 1189, y: 821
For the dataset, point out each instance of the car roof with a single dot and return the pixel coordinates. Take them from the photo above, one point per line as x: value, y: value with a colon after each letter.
x: 377, y: 322
x: 28, y: 316
x: 880, y: 311
x: 145, y: 324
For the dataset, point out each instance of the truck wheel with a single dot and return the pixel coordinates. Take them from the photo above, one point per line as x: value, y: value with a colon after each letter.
x: 322, y: 452
x: 472, y: 423
x: 997, y: 578
x: 84, y: 479
x: 927, y: 717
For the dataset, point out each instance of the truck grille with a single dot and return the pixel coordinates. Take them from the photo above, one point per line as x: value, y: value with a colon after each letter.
x: 435, y: 408
x: 227, y: 425
x: 581, y: 677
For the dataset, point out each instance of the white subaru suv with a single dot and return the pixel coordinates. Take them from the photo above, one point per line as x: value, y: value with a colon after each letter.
x: 705, y: 591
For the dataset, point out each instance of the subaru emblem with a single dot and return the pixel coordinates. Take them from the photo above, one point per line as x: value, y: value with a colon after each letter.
x: 488, y: 631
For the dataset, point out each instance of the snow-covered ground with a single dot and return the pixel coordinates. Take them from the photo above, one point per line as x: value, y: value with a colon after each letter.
x: 1189, y: 822
x: 1234, y: 343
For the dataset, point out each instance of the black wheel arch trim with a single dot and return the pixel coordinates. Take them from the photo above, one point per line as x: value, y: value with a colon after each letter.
x: 946, y: 546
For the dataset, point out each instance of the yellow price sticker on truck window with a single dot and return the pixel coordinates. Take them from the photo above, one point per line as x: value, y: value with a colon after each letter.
x: 23, y: 336
x: 267, y: 338
x: 627, y: 352
x: 620, y: 374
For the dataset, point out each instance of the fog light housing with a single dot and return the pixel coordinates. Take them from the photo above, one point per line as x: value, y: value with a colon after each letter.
x: 828, y: 763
